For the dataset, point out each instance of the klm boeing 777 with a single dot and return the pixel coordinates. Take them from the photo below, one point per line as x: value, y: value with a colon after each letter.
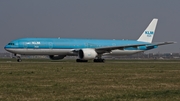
x: 84, y: 49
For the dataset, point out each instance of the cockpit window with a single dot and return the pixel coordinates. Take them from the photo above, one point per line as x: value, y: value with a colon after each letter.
x: 10, y: 43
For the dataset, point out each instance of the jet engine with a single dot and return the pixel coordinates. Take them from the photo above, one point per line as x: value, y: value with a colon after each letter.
x: 86, y: 54
x: 56, y: 57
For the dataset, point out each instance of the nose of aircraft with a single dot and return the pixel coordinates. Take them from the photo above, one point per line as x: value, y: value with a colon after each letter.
x: 5, y: 47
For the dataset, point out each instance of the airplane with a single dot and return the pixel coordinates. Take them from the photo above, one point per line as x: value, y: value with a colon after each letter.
x: 84, y: 49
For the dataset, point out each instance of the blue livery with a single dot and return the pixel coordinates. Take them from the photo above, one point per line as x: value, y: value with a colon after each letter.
x: 85, y: 49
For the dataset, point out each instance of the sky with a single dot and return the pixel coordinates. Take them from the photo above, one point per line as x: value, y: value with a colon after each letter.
x: 94, y: 19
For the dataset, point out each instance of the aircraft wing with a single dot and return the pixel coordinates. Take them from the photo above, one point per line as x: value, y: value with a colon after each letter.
x: 109, y: 49
x: 163, y: 43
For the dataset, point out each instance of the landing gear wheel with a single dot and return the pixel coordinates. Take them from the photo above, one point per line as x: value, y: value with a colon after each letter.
x: 19, y: 60
x: 79, y: 60
x: 99, y: 60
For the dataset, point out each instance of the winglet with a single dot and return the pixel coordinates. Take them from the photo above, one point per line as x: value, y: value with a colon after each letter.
x: 147, y: 35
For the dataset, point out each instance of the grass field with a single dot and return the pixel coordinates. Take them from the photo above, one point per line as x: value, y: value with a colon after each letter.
x: 46, y: 80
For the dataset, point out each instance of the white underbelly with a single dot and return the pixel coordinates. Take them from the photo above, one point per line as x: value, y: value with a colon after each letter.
x: 41, y: 51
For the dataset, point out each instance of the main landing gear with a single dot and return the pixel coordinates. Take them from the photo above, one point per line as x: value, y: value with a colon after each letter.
x: 99, y: 60
x: 95, y: 60
x: 18, y: 57
x: 80, y: 60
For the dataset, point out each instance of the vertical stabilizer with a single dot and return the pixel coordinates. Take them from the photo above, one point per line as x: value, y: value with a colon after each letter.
x: 147, y: 35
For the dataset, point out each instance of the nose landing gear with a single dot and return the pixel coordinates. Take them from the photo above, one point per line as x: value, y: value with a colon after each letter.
x: 18, y: 57
x: 19, y: 60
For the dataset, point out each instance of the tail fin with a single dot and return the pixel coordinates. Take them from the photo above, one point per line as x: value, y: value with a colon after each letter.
x: 147, y: 35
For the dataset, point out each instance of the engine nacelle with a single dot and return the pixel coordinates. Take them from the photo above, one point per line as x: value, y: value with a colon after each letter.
x: 56, y: 57
x: 87, y: 54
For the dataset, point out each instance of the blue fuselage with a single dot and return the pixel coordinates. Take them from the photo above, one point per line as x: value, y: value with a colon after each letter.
x: 51, y: 46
